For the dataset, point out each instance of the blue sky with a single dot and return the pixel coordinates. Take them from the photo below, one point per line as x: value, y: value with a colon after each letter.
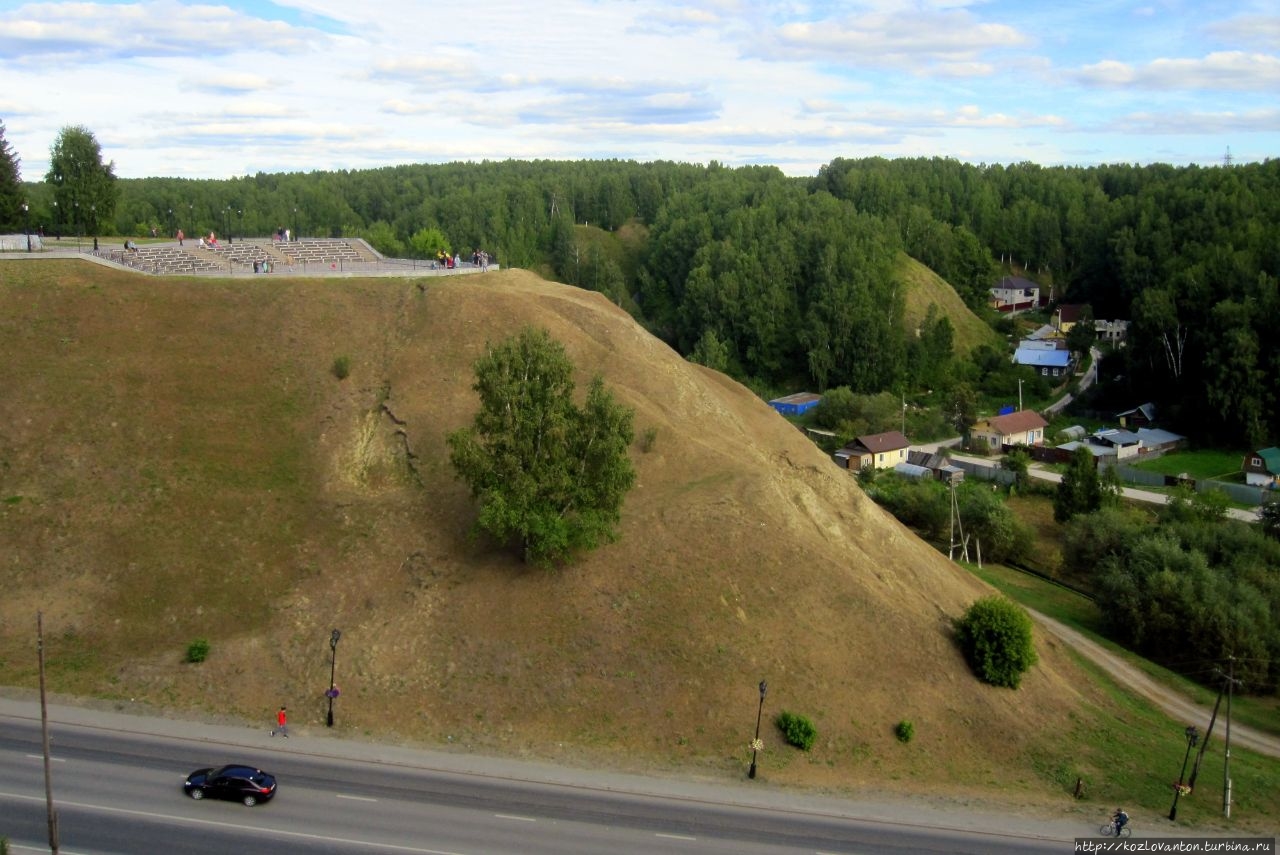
x: 216, y: 90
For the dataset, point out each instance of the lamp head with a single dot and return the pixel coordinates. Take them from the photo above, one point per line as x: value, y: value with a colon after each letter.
x: 764, y: 687
x: 333, y: 638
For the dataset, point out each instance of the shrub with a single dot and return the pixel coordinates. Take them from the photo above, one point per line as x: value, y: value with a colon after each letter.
x: 198, y: 650
x: 904, y: 730
x: 995, y: 635
x: 797, y: 730
x: 341, y: 367
x: 647, y: 438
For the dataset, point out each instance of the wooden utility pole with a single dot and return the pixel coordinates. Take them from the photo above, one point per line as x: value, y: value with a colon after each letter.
x: 1204, y: 743
x: 44, y: 740
x: 1226, y: 753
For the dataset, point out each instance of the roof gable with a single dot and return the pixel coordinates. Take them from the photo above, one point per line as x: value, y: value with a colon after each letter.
x: 1271, y: 459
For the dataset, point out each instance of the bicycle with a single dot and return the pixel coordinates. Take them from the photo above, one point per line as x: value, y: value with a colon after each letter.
x: 1109, y: 829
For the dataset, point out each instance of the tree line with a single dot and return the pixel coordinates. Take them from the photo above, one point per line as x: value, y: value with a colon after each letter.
x: 788, y: 283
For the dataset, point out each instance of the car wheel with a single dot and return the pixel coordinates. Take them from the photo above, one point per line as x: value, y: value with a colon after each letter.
x: 250, y: 801
x: 197, y: 794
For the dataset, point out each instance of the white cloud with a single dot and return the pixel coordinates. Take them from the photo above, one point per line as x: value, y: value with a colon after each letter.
x: 1190, y: 122
x: 921, y: 42
x: 82, y: 33
x: 1228, y: 71
x: 1260, y: 31
x: 226, y: 83
x: 209, y: 90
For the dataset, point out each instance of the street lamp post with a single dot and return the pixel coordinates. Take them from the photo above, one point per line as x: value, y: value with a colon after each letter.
x: 93, y: 216
x: 1193, y: 736
x: 26, y: 224
x: 79, y: 224
x: 240, y: 215
x: 333, y: 661
x: 751, y: 773
x: 227, y: 223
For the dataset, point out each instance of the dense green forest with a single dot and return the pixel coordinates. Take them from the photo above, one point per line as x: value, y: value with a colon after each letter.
x: 788, y: 283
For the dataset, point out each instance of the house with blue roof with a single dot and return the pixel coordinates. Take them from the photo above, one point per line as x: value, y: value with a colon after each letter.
x: 1045, y: 361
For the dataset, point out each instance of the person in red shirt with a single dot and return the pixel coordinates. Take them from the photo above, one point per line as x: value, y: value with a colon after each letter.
x: 282, y: 724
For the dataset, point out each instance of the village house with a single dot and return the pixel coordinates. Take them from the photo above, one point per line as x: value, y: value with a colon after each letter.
x: 1113, y: 333
x: 875, y: 451
x: 1140, y: 416
x: 1045, y: 361
x: 1262, y: 468
x: 1067, y: 315
x: 998, y: 433
x: 1015, y: 294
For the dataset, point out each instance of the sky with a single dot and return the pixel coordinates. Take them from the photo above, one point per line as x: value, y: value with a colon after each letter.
x: 219, y: 90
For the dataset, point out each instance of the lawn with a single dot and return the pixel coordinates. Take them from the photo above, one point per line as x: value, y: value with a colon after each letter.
x: 1082, y: 614
x: 1201, y: 464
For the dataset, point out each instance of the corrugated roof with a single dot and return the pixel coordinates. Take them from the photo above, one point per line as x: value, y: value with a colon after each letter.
x: 1039, y: 358
x: 1115, y: 436
x: 1152, y: 437
x: 797, y: 398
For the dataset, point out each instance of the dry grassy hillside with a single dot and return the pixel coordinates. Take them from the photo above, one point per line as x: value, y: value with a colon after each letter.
x: 925, y: 288
x: 180, y: 461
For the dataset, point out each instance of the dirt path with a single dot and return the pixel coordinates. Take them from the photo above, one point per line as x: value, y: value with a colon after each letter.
x: 1169, y: 700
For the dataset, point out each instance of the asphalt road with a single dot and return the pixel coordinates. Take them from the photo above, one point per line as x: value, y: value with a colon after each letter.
x: 117, y: 787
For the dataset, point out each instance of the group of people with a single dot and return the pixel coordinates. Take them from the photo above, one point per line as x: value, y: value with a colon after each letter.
x: 282, y: 234
x: 479, y: 258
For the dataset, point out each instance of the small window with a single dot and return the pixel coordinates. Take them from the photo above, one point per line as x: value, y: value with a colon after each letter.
x: 1044, y: 371
x: 1257, y: 461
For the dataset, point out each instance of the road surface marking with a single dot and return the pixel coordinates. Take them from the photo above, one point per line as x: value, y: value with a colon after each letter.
x: 354, y: 798
x: 53, y: 759
x: 675, y: 836
x: 516, y: 818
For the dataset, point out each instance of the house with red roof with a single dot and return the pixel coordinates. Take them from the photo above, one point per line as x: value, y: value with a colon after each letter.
x: 1024, y: 427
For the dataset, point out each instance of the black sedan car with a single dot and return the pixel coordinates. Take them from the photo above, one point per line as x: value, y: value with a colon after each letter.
x: 237, y: 783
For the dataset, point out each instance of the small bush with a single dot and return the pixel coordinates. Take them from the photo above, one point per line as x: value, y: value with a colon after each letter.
x: 995, y: 635
x: 341, y: 367
x: 648, y: 438
x: 904, y: 730
x: 198, y: 650
x: 797, y: 730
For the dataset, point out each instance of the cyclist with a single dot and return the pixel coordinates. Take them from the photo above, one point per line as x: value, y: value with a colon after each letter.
x: 1121, y: 819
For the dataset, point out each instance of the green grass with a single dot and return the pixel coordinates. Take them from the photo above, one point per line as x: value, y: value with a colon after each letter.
x: 1081, y: 613
x: 1205, y: 463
